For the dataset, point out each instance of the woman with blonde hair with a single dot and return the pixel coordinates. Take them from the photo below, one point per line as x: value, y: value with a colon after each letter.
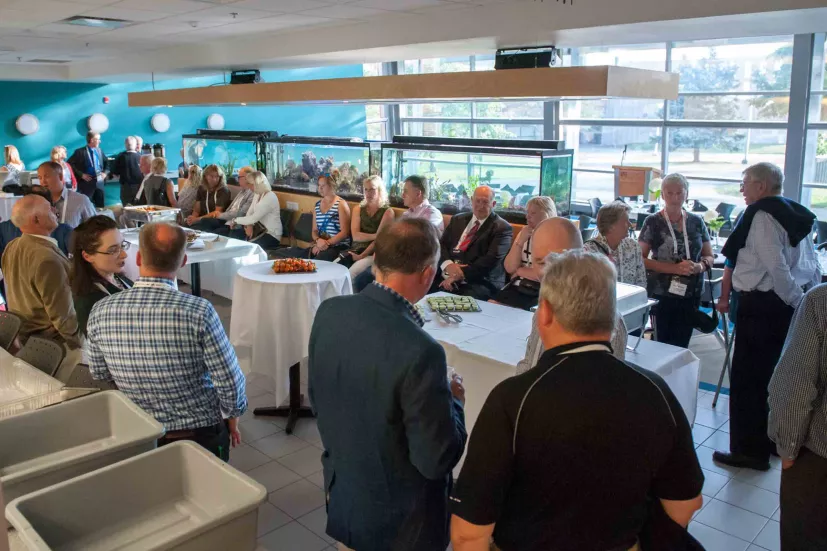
x: 523, y: 290
x: 262, y: 223
x: 188, y: 189
x: 368, y: 218
x: 213, y: 195
x: 12, y: 167
x: 59, y: 155
x: 157, y: 188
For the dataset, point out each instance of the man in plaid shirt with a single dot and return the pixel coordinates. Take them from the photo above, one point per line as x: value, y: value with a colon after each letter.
x: 167, y: 351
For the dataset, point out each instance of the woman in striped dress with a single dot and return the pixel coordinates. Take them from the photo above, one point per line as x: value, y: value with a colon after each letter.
x: 331, y: 226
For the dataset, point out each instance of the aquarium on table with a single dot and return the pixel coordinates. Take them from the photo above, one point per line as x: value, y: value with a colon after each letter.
x: 230, y: 153
x: 454, y: 172
x: 298, y: 163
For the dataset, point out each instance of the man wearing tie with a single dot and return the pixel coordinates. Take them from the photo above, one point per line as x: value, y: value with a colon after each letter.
x: 473, y: 247
x: 88, y: 163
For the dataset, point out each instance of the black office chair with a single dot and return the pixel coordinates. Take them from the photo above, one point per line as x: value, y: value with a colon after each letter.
x: 641, y: 218
x: 724, y: 210
x: 44, y: 354
x: 9, y: 327
x: 821, y: 233
x: 304, y: 228
x: 595, y: 205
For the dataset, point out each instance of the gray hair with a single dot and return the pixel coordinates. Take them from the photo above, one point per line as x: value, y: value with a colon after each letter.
x: 675, y: 178
x: 162, y: 246
x: 406, y: 246
x: 543, y: 203
x: 767, y: 173
x: 609, y: 214
x: 146, y: 161
x: 580, y: 288
x: 131, y: 140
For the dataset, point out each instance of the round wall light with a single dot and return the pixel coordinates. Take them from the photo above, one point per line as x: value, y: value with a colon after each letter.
x: 160, y: 122
x: 215, y: 122
x: 98, y: 123
x: 27, y: 124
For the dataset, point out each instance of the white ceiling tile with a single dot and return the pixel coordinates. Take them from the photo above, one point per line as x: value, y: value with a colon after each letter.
x: 224, y: 14
x: 164, y: 6
x: 125, y: 13
x: 285, y: 6
x: 51, y: 10
x: 346, y: 12
x: 398, y: 5
x: 62, y: 30
x: 24, y: 19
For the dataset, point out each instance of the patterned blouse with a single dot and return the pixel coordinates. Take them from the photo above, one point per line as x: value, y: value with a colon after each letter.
x: 627, y: 258
x: 656, y: 234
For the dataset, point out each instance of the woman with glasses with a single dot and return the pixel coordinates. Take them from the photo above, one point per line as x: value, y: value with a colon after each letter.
x: 98, y: 258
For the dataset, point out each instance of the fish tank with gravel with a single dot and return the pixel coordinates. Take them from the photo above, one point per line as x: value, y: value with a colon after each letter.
x: 455, y: 171
x: 299, y: 162
x: 229, y: 152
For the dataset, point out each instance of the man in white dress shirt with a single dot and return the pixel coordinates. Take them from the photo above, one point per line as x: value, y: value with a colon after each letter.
x: 775, y: 264
x: 415, y: 197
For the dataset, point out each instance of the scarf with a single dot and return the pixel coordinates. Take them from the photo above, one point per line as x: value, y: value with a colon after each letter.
x: 796, y: 220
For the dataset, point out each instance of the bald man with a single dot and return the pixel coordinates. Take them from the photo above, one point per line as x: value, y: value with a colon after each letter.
x: 167, y: 350
x: 473, y: 248
x: 557, y: 235
x: 37, y: 275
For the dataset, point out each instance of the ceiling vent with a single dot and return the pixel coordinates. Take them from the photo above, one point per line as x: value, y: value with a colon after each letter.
x: 96, y: 22
x: 47, y: 61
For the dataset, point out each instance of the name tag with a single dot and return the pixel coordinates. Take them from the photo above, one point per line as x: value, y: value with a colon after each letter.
x: 678, y: 287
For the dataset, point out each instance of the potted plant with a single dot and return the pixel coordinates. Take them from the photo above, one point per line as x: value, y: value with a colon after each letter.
x: 714, y: 222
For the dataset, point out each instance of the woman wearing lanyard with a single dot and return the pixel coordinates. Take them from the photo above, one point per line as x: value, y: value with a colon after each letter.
x: 98, y: 258
x: 331, y: 225
x: 681, y: 252
x: 213, y: 195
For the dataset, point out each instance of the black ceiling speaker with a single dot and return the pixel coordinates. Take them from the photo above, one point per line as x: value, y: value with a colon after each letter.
x: 526, y: 58
x: 250, y: 76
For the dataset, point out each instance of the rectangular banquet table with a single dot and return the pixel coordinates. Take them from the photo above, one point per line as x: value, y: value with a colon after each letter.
x: 486, y: 347
x: 212, y: 268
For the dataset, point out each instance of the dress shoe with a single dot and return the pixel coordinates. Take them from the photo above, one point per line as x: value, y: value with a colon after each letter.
x: 741, y: 461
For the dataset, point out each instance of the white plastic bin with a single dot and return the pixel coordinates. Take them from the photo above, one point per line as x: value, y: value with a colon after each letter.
x: 50, y: 445
x: 177, y: 497
x: 23, y: 387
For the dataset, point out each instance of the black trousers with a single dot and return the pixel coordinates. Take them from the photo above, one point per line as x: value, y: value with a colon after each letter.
x: 762, y: 324
x: 210, y: 225
x: 329, y: 255
x: 94, y: 191
x: 215, y: 439
x: 266, y: 241
x: 673, y: 320
x: 128, y: 192
x: 479, y: 290
x: 511, y: 295
x: 803, y: 506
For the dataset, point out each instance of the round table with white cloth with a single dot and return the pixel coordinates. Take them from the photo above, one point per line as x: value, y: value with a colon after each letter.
x: 273, y: 314
x: 7, y: 201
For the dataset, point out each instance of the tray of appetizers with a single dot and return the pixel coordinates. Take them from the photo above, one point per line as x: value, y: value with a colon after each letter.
x: 454, y: 304
x: 151, y: 213
x: 293, y: 266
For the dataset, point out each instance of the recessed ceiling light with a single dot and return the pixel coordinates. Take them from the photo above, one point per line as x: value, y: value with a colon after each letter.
x: 243, y: 103
x: 96, y: 22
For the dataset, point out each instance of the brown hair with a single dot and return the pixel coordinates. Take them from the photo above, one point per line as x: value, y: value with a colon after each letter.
x: 406, y: 246
x: 87, y: 238
x: 222, y: 178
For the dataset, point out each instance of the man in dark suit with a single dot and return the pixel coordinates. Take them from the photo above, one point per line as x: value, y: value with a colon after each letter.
x: 392, y: 425
x: 473, y: 248
x: 89, y: 166
x: 128, y: 168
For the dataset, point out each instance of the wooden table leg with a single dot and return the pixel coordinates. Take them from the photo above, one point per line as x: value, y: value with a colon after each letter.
x: 294, y: 410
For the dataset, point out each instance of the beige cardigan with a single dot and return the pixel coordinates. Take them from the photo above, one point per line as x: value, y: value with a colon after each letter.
x: 37, y: 285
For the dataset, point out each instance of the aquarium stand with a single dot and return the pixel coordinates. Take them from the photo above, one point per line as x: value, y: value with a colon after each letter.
x: 295, y: 409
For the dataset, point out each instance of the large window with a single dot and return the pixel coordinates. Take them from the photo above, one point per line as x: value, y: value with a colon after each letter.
x: 732, y: 111
x: 814, y: 190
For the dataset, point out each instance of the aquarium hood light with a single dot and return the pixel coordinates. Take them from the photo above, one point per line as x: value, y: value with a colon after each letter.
x: 517, y: 84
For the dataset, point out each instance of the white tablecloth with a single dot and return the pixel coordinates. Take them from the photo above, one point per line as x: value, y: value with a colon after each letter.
x: 273, y: 314
x: 486, y: 347
x: 220, y: 260
x: 6, y: 203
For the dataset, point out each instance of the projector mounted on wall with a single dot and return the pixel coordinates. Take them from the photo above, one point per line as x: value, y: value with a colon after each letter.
x: 250, y: 76
x: 526, y: 58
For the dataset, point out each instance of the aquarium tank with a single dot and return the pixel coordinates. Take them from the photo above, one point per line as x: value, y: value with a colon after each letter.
x: 455, y: 171
x: 230, y: 153
x: 298, y: 162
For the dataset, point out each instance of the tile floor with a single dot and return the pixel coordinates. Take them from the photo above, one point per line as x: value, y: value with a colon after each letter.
x: 740, y: 511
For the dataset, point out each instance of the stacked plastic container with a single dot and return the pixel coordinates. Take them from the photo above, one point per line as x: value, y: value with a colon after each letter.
x: 25, y: 388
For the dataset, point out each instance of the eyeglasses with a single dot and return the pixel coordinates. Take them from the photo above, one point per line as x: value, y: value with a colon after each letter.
x: 116, y: 249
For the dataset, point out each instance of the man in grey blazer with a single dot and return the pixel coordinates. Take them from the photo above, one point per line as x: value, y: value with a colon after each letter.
x: 391, y: 423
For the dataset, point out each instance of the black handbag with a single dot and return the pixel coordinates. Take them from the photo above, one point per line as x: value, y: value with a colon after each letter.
x: 701, y: 320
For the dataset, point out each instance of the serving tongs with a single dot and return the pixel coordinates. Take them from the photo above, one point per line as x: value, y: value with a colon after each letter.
x: 448, y: 317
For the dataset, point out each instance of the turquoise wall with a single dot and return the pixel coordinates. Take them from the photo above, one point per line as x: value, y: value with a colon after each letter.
x: 63, y: 109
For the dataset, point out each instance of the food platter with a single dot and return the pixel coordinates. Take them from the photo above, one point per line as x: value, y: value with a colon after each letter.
x: 454, y: 304
x: 151, y: 213
x: 293, y: 266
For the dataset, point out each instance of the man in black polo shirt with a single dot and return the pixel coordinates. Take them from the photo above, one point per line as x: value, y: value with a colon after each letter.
x: 566, y: 455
